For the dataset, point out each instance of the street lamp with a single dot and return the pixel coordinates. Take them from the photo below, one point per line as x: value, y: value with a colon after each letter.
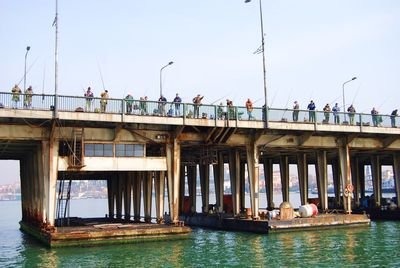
x: 26, y: 55
x: 169, y: 63
x: 264, y: 69
x: 344, y: 102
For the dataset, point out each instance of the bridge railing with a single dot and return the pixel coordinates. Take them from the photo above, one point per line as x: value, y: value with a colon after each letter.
x: 190, y: 110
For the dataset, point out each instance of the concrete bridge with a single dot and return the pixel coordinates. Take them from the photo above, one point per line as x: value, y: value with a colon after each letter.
x: 63, y: 138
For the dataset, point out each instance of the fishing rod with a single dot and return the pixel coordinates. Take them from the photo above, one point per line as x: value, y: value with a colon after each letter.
x: 27, y: 71
x: 101, y: 75
x: 287, y: 102
x: 273, y: 98
x: 220, y: 99
x: 258, y: 100
x: 44, y: 76
x: 355, y: 96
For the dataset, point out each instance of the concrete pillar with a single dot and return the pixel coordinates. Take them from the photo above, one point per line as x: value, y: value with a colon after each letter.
x: 205, y: 186
x: 137, y: 195
x: 396, y: 171
x: 254, y: 177
x: 242, y: 185
x: 218, y: 170
x: 361, y: 174
x: 269, y: 182
x: 192, y: 176
x: 110, y: 194
x: 159, y: 184
x: 234, y: 173
x: 302, y: 171
x: 182, y: 177
x: 119, y: 189
x: 50, y: 169
x: 128, y: 195
x: 355, y: 176
x: 336, y: 181
x: 284, y: 170
x: 322, y: 179
x: 173, y: 170
x: 344, y: 162
x: 40, y: 184
x: 147, y: 194
x: 376, y: 179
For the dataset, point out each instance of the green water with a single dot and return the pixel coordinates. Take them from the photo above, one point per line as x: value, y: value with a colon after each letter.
x: 376, y: 245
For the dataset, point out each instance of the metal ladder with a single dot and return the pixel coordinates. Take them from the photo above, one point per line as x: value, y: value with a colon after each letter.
x: 75, y: 159
x: 63, y: 202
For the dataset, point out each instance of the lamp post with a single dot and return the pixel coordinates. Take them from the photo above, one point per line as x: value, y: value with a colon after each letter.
x: 344, y: 102
x: 264, y: 68
x: 169, y: 63
x: 26, y: 55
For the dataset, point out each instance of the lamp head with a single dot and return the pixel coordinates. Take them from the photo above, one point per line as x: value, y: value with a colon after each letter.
x: 354, y: 78
x: 28, y: 48
x: 247, y: 1
x: 171, y: 62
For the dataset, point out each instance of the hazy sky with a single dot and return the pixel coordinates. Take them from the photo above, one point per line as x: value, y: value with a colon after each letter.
x: 312, y: 47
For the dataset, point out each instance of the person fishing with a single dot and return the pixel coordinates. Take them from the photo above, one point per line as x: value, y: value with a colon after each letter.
x: 393, y: 116
x: 230, y: 109
x: 295, y: 114
x: 177, y: 100
x: 196, y: 104
x: 16, y: 92
x: 28, y: 97
x: 311, y: 114
x: 336, y: 110
x: 351, y: 110
x: 129, y: 103
x: 249, y: 107
x: 327, y: 111
x: 104, y: 101
x: 89, y: 99
x: 374, y: 114
x: 162, y: 101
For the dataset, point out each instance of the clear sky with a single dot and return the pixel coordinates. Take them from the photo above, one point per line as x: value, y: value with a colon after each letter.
x: 312, y: 47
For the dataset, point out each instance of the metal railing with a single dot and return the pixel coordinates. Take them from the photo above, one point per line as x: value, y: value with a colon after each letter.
x: 189, y: 110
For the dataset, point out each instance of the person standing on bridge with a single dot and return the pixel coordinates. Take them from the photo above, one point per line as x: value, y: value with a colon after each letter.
x: 336, y: 110
x: 393, y: 116
x: 28, y: 97
x: 295, y: 114
x: 89, y: 98
x: 129, y: 103
x: 162, y: 101
x: 327, y: 111
x: 16, y: 92
x: 104, y: 101
x: 196, y: 105
x: 249, y: 107
x: 177, y: 100
x: 351, y: 110
x: 311, y: 114
x: 374, y: 114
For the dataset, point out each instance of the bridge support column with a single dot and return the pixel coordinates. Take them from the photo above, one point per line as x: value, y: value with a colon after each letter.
x: 50, y: 172
x: 159, y: 185
x: 344, y: 160
x: 269, y: 182
x: 396, y: 169
x: 218, y: 170
x: 205, y: 186
x: 192, y: 177
x: 355, y: 176
x: 242, y: 186
x: 127, y: 196
x: 284, y: 171
x: 119, y: 190
x: 322, y: 179
x: 147, y: 195
x: 361, y: 172
x: 253, y: 171
x: 234, y: 173
x: 173, y: 170
x: 137, y: 195
x: 182, y: 177
x: 302, y: 171
x: 110, y: 199
x: 336, y: 181
x: 376, y: 179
